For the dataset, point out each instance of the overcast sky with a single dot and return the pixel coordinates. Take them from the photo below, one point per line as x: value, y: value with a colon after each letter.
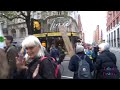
x: 90, y: 20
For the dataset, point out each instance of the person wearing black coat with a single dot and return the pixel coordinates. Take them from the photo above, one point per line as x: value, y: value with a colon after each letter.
x: 34, y: 69
x: 95, y: 49
x: 73, y: 64
x: 105, y: 59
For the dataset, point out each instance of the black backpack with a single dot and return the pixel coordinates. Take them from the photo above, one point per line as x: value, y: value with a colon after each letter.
x: 109, y: 70
x: 83, y: 69
x: 55, y: 66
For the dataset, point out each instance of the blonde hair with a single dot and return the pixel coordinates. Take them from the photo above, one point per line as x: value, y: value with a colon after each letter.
x: 31, y: 40
x: 4, y: 67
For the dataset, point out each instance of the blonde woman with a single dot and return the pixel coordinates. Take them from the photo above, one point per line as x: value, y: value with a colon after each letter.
x: 34, y: 52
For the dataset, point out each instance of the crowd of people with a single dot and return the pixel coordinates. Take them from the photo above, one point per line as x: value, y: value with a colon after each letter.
x: 33, y: 61
x: 97, y: 63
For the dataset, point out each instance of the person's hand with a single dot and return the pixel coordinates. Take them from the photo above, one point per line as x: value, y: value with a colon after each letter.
x: 36, y: 71
x: 20, y: 64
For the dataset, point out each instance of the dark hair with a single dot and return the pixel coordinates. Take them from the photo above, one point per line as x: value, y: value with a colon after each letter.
x: 9, y: 38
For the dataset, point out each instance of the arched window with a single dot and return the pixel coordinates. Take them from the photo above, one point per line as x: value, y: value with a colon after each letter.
x: 13, y: 32
x: 22, y: 32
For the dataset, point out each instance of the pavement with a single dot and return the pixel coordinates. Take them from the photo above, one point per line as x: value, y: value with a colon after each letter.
x: 66, y: 73
x: 116, y: 51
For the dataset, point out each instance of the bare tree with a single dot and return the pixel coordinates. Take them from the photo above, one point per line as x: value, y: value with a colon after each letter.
x: 25, y: 15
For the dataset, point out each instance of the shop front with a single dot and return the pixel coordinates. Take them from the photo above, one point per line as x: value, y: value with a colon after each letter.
x: 47, y: 39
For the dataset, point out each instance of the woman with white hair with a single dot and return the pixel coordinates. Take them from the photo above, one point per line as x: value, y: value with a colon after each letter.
x: 34, y: 69
x: 106, y: 63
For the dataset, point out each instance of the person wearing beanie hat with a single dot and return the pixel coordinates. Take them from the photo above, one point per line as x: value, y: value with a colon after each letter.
x: 106, y: 63
x: 73, y: 64
x: 79, y: 49
x: 11, y: 52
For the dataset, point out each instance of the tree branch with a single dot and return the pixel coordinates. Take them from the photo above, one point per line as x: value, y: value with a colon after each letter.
x: 23, y: 14
x: 13, y: 17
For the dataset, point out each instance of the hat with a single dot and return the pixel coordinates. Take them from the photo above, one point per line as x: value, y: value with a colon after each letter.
x: 79, y: 49
x: 9, y: 38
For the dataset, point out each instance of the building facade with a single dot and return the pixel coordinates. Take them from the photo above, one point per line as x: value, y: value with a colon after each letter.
x: 97, y: 36
x: 113, y: 28
x: 18, y: 29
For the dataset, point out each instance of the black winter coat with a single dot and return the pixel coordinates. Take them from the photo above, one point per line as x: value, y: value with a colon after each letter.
x: 105, y: 57
x: 45, y: 72
x: 73, y: 64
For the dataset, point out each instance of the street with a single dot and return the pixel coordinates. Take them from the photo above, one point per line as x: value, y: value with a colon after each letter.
x: 117, y: 53
x: 66, y: 73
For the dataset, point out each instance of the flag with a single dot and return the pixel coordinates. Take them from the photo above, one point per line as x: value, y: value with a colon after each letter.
x: 2, y: 41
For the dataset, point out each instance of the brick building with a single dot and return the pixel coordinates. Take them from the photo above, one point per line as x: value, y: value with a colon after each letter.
x: 113, y: 28
x: 97, y: 35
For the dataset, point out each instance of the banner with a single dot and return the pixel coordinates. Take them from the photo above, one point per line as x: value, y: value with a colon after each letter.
x: 66, y: 40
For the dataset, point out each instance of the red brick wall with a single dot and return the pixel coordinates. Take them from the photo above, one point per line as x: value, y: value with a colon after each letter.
x: 111, y: 18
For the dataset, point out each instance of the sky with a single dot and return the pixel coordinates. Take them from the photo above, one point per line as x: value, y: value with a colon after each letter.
x: 90, y: 20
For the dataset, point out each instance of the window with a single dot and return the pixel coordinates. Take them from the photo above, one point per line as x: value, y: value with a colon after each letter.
x: 108, y: 28
x: 13, y: 32
x: 113, y: 13
x: 109, y: 39
x: 118, y: 37
x: 22, y: 32
x: 111, y: 26
x: 117, y: 20
x: 114, y: 23
x: 114, y: 38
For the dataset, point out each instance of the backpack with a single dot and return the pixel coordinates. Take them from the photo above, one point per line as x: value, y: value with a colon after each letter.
x: 83, y: 69
x: 109, y: 70
x: 56, y: 66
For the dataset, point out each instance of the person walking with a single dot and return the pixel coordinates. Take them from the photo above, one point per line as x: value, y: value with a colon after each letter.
x: 74, y: 61
x: 11, y: 53
x: 106, y: 63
